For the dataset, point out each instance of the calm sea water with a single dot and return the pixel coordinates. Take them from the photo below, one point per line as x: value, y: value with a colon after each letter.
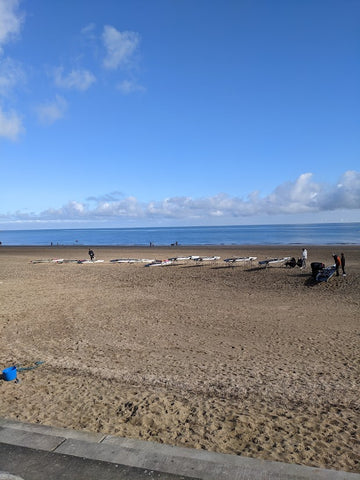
x: 311, y: 234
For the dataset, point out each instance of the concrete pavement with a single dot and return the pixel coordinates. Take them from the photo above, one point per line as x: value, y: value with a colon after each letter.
x: 38, y: 452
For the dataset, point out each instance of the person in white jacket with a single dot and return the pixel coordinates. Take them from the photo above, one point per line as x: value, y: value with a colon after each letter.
x: 304, y: 257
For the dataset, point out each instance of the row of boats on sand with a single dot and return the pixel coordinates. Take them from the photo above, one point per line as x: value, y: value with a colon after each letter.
x: 155, y: 263
x: 320, y: 273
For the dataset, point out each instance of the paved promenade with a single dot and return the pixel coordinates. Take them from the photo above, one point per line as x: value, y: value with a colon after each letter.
x: 37, y: 452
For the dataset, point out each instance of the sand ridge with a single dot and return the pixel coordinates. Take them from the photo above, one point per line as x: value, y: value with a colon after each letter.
x: 237, y: 359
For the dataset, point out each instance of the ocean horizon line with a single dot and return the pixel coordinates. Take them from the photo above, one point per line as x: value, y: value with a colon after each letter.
x: 278, y: 234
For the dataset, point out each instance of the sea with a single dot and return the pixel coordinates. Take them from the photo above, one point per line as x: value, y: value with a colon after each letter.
x: 301, y: 234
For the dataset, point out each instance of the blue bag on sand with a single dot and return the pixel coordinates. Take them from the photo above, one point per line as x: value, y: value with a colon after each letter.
x: 9, y: 374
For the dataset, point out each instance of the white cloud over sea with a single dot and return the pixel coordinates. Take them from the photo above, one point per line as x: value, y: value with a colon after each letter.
x: 302, y: 196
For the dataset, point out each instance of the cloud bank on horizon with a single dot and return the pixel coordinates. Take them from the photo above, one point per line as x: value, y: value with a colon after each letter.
x: 290, y: 198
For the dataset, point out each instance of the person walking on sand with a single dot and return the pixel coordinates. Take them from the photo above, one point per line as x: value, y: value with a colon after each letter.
x: 342, y: 261
x: 91, y: 254
x: 304, y: 257
x: 337, y: 263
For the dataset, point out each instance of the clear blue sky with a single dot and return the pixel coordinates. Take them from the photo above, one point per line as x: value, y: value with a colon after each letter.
x: 179, y: 112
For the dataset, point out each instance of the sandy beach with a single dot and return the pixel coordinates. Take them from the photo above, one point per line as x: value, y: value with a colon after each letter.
x: 236, y: 359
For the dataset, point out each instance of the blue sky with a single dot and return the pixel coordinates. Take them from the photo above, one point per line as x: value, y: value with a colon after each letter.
x: 178, y: 112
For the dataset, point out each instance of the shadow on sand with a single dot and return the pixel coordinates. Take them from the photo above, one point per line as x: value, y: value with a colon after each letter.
x: 311, y: 282
x: 193, y: 266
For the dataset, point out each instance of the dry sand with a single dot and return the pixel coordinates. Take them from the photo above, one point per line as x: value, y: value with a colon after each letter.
x: 240, y: 360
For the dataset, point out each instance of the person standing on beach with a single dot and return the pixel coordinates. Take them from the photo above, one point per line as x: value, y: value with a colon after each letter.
x: 304, y: 257
x: 337, y: 263
x: 342, y: 261
x: 91, y: 254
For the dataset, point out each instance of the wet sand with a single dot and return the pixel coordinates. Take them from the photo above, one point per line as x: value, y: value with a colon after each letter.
x: 236, y: 359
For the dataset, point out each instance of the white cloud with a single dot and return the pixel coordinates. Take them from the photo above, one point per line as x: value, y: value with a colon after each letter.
x: 288, y: 199
x: 103, y: 209
x: 11, y: 74
x: 127, y: 86
x: 10, y: 21
x: 88, y: 30
x: 120, y: 47
x: 52, y: 111
x: 71, y: 210
x: 345, y: 194
x: 76, y: 79
x: 299, y: 196
x: 10, y: 125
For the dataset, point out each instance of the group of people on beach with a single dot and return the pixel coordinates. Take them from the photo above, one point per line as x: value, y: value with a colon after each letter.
x: 339, y: 261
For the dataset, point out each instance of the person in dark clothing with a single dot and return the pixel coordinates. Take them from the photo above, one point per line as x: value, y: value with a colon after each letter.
x: 91, y: 254
x: 337, y: 263
x: 342, y: 261
x: 291, y: 263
